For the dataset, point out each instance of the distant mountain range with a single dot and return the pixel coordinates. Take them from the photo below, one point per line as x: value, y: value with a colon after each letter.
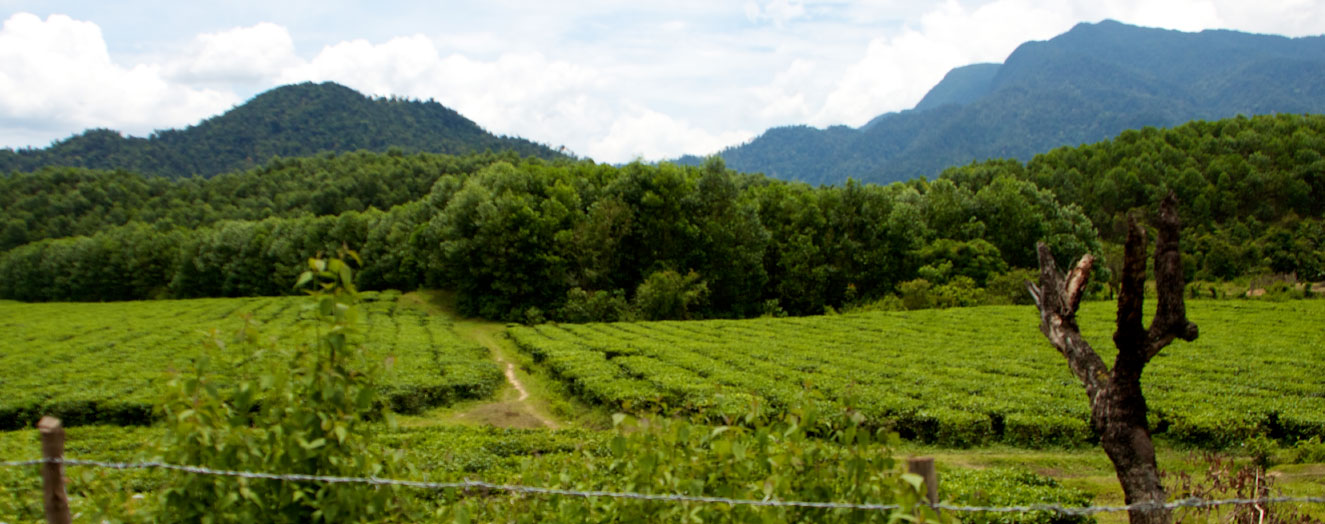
x: 1083, y: 86
x: 289, y: 121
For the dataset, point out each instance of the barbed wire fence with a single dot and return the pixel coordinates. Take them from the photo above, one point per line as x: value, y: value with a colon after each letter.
x: 57, y: 511
x: 656, y: 497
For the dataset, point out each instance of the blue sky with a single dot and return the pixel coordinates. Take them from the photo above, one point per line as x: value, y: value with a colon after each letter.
x: 609, y: 80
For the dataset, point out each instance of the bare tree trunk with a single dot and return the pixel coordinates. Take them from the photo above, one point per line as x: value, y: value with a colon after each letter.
x: 1118, y: 408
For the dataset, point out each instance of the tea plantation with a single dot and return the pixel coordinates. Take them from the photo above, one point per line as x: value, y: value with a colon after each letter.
x: 956, y: 377
x: 102, y: 362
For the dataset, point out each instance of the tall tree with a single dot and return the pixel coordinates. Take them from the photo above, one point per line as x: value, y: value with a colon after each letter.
x: 1118, y: 408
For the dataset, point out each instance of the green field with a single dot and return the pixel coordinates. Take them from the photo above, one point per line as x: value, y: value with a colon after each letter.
x: 103, y: 362
x: 956, y: 377
x: 946, y: 378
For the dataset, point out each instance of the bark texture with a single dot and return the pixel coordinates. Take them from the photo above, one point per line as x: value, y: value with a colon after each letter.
x: 1118, y: 409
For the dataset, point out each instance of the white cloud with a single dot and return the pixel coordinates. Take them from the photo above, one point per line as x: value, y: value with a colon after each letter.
x: 779, y: 12
x: 57, y: 78
x: 652, y: 135
x: 1286, y: 17
x: 523, y: 94
x: 784, y: 99
x: 657, y: 78
x: 246, y: 55
x: 898, y: 69
x: 396, y: 67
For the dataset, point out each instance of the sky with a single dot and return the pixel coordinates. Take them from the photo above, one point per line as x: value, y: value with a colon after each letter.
x: 608, y: 80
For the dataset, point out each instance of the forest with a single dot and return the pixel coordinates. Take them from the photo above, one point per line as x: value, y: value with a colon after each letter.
x: 531, y: 239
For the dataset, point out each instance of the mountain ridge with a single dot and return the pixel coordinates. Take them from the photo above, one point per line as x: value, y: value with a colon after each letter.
x: 1085, y: 85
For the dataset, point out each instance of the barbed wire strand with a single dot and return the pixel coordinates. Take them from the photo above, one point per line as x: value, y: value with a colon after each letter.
x: 534, y: 490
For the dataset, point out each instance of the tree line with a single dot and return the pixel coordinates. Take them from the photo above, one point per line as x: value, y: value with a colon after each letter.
x: 55, y: 202
x: 532, y: 239
x: 1251, y: 191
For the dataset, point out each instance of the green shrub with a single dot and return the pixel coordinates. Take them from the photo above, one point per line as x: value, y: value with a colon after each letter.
x: 960, y: 291
x: 1010, y: 287
x: 1260, y: 449
x: 666, y: 295
x: 1002, y: 487
x: 1298, y: 423
x: 306, y: 416
x: 915, y: 294
x: 1214, y: 430
x: 953, y: 428
x: 1310, y: 451
x: 594, y: 306
x: 798, y: 456
x: 1040, y: 431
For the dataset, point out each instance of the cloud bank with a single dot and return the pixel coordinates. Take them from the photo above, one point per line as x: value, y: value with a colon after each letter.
x: 653, y: 80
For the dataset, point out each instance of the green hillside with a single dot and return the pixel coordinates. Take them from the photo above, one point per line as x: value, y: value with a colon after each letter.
x: 289, y: 121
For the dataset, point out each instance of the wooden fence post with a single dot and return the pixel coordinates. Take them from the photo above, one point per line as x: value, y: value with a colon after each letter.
x: 52, y: 473
x: 924, y: 466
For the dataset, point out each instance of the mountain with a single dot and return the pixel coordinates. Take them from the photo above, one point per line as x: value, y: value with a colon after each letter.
x: 1083, y: 86
x: 960, y: 86
x: 288, y: 121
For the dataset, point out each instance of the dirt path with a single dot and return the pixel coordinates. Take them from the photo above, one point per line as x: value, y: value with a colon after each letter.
x: 515, y: 408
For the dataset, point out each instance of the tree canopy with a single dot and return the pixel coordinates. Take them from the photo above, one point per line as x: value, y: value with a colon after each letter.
x: 529, y: 239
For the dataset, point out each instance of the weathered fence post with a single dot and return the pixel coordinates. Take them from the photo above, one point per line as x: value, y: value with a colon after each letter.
x: 924, y: 466
x: 52, y: 473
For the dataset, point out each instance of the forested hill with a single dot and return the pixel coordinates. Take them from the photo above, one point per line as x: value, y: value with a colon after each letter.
x: 1083, y: 86
x: 525, y: 239
x: 289, y: 121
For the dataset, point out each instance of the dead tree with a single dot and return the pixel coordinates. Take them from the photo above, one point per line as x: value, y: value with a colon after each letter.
x: 1118, y: 409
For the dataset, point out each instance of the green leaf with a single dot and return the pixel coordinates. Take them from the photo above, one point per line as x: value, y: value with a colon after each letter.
x: 304, y: 278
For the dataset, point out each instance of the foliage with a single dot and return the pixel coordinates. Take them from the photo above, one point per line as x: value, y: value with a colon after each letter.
x: 507, y: 234
x: 57, y: 202
x: 666, y: 295
x: 93, y: 493
x: 1004, y: 487
x: 1010, y: 287
x: 946, y: 258
x: 957, y: 376
x: 915, y: 294
x: 594, y: 306
x: 515, y: 236
x: 588, y: 459
x: 109, y: 358
x: 441, y: 453
x: 1311, y: 450
x: 305, y: 415
x: 800, y: 455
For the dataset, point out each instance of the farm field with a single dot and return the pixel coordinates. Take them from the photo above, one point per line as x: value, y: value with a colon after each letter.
x: 961, y: 371
x: 102, y: 362
x: 956, y: 377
